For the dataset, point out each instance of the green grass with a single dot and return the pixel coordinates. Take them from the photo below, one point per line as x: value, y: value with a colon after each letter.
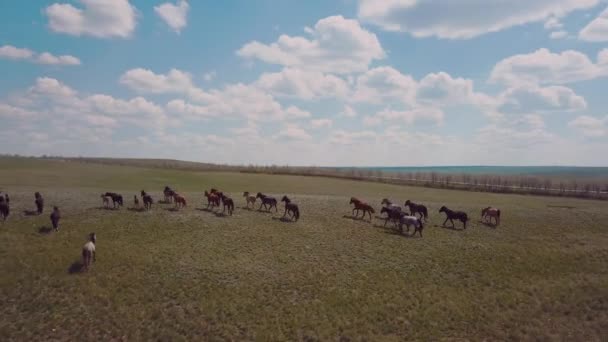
x: 162, y: 275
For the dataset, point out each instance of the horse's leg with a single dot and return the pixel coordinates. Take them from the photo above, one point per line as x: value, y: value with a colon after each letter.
x: 444, y: 222
x: 452, y: 223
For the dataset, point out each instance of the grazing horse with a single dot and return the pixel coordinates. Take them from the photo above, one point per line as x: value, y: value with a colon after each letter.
x: 55, y: 217
x: 147, y: 199
x: 267, y: 201
x: 4, y: 208
x: 291, y: 208
x: 88, y: 251
x: 180, y: 201
x: 417, y: 209
x: 454, y: 215
x: 227, y: 202
x: 213, y: 200
x: 411, y: 221
x: 489, y: 212
x: 250, y: 199
x: 39, y: 201
x: 391, y: 214
x: 169, y: 194
x: 360, y: 205
x: 136, y: 201
x: 106, y: 200
x: 116, y: 199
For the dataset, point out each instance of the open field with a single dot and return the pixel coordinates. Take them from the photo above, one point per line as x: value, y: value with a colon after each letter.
x: 165, y: 275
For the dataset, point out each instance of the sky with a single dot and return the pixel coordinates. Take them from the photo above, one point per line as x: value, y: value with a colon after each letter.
x: 322, y: 83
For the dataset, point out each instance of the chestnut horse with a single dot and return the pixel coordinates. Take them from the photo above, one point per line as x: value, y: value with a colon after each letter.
x: 360, y: 205
x: 454, y: 215
x: 489, y: 212
x: 180, y: 201
x: 417, y: 209
x: 267, y: 201
x: 250, y: 199
x: 291, y: 208
x: 213, y: 199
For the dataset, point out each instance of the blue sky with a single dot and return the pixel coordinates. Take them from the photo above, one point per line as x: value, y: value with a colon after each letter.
x: 350, y: 82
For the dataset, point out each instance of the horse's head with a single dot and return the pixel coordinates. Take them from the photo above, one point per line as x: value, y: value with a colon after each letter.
x: 285, y: 199
x: 442, y: 209
x: 484, y: 211
x: 246, y: 193
x: 93, y: 237
x: 407, y: 202
x: 259, y: 195
x: 55, y: 208
x: 37, y: 194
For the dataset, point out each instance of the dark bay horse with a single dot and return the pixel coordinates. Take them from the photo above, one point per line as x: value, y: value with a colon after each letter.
x: 4, y: 208
x: 417, y: 209
x: 291, y: 208
x: 169, y: 194
x: 489, y: 212
x: 39, y: 201
x: 116, y: 199
x: 392, y: 214
x: 360, y: 205
x: 267, y: 201
x: 147, y: 199
x: 454, y: 215
x: 55, y: 217
x: 227, y: 202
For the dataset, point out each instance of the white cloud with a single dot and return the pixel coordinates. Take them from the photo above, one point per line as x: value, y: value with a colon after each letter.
x: 596, y: 30
x: 147, y: 82
x: 590, y: 126
x: 342, y: 137
x: 293, y: 132
x: 553, y: 23
x: 320, y: 123
x: 558, y: 34
x: 336, y: 45
x: 545, y: 67
x: 459, y: 19
x: 11, y: 52
x: 209, y: 76
x: 97, y: 18
x: 441, y: 88
x: 303, y: 84
x: 11, y: 112
x: 384, y: 84
x: 531, y: 98
x: 412, y: 116
x: 348, y: 112
x: 174, y: 15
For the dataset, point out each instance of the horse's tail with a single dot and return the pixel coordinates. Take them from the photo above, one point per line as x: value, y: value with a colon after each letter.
x: 498, y: 216
x: 425, y: 212
x: 296, y: 212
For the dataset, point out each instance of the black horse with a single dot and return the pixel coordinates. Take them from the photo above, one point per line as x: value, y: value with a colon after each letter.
x: 291, y: 208
x: 417, y: 209
x: 4, y: 208
x: 55, y: 217
x: 267, y: 201
x: 227, y: 202
x: 147, y: 199
x: 116, y: 199
x: 39, y: 202
x: 454, y: 215
x: 392, y: 214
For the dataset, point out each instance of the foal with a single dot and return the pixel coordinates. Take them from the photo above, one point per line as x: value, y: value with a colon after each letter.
x: 88, y: 251
x: 136, y: 201
x: 250, y: 199
x: 454, y: 215
x: 267, y: 201
x: 417, y: 209
x: 489, y: 212
x: 39, y: 202
x: 291, y: 208
x: 55, y: 217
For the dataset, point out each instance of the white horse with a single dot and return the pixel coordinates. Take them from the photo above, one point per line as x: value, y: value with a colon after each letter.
x: 411, y: 221
x: 88, y: 251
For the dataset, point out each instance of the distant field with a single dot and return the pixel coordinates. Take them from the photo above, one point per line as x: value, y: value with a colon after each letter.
x: 164, y: 275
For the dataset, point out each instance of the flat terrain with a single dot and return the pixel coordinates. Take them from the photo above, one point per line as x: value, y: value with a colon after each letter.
x: 190, y: 274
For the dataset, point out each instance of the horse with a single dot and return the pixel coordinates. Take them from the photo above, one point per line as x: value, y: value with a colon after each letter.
x: 360, y: 205
x: 180, y: 201
x: 227, y: 202
x: 386, y: 202
x: 411, y: 221
x: 451, y: 215
x: 106, y: 200
x: 250, y: 199
x: 291, y: 208
x: 490, y: 212
x: 147, y: 199
x: 213, y: 199
x: 39, y: 201
x: 55, y: 217
x: 417, y: 209
x: 136, y: 201
x: 267, y: 201
x: 88, y: 251
x: 169, y: 194
x: 391, y: 214
x: 4, y: 208
x: 116, y: 199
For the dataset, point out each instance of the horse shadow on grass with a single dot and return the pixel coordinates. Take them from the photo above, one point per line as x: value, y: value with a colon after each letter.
x: 137, y: 210
x: 164, y: 202
x: 405, y: 234
x: 30, y: 213
x: 172, y: 209
x: 45, y: 230
x: 106, y: 208
x: 488, y: 224
x: 355, y: 218
x: 458, y: 229
x: 207, y: 210
x: 283, y: 219
x: 76, y: 267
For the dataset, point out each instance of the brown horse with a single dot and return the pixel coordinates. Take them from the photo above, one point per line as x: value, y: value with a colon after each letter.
x: 291, y: 208
x: 227, y: 202
x: 169, y: 194
x: 55, y: 217
x: 39, y: 201
x: 250, y: 199
x: 213, y: 199
x: 488, y: 213
x: 454, y: 215
x: 180, y: 201
x: 360, y: 205
x: 417, y: 209
x: 147, y: 199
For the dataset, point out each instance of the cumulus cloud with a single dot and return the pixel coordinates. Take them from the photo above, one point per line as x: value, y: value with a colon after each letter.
x: 147, y: 82
x: 174, y: 15
x: 596, y: 30
x: 590, y: 126
x: 303, y: 84
x: 14, y: 53
x: 433, y: 115
x: 96, y: 18
x: 532, y: 98
x: 342, y: 137
x: 453, y: 19
x: 558, y: 34
x: 545, y: 67
x: 348, y: 112
x: 293, y: 132
x: 320, y: 123
x: 382, y: 84
x: 335, y: 44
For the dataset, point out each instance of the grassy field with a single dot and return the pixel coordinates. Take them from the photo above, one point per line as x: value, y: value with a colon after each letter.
x: 192, y: 275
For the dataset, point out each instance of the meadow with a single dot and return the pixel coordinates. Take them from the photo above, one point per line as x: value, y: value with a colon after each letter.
x: 194, y: 275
